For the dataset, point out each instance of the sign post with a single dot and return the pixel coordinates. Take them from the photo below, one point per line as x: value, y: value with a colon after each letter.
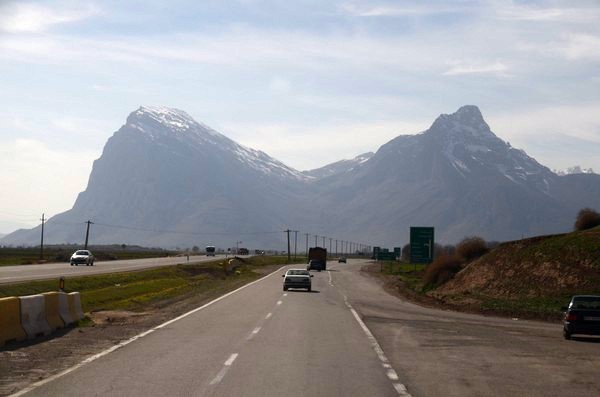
x: 421, y: 245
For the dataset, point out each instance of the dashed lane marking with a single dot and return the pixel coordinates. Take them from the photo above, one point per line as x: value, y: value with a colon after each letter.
x: 133, y: 339
x: 224, y: 370
x: 279, y: 302
x: 268, y: 316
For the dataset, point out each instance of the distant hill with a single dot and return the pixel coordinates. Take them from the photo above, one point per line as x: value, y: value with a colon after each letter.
x: 545, y: 268
x: 166, y: 180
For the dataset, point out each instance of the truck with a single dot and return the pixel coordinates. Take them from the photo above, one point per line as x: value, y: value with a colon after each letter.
x: 317, y: 259
x: 244, y: 251
x: 210, y: 250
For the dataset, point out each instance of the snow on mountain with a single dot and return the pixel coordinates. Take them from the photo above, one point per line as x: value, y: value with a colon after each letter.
x: 338, y: 167
x: 182, y: 183
x: 576, y: 169
x: 158, y: 122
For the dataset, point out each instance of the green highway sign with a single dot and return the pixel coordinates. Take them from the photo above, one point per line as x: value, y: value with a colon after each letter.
x: 421, y: 244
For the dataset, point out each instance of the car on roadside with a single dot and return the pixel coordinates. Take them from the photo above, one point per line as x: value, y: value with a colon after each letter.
x: 83, y: 257
x: 342, y: 259
x: 297, y: 278
x: 582, y: 316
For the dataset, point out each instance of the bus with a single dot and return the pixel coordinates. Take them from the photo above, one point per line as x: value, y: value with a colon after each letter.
x: 210, y: 250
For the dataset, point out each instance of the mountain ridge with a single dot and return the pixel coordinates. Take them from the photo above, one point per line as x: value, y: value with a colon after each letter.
x: 163, y: 171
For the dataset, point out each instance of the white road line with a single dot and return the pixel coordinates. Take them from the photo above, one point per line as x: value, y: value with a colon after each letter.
x: 231, y: 359
x: 256, y: 330
x: 268, y: 316
x: 284, y: 294
x: 133, y: 339
x: 224, y: 370
x: 390, y: 372
x: 279, y: 302
x: 330, y: 282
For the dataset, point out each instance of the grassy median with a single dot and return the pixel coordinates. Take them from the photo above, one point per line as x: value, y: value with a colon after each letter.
x: 136, y: 291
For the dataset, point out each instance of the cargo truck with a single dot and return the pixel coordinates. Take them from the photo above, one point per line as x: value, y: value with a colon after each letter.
x: 317, y: 259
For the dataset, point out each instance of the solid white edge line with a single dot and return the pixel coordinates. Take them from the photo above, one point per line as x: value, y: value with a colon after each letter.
x: 390, y: 372
x: 132, y: 339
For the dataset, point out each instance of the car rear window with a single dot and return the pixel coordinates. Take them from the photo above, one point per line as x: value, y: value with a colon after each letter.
x: 82, y: 253
x: 298, y: 273
x: 586, y: 302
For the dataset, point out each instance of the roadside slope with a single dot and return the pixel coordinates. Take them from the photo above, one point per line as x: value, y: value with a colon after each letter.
x: 541, y: 271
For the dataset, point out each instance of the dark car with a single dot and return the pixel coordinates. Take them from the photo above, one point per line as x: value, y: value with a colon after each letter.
x: 342, y: 259
x: 582, y: 316
x: 315, y: 264
x: 297, y: 278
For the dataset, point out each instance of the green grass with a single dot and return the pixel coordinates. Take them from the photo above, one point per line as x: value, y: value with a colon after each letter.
x: 26, y: 256
x: 137, y: 290
x: 411, y: 274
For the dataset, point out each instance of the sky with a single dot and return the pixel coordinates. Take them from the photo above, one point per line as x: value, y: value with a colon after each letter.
x: 286, y: 77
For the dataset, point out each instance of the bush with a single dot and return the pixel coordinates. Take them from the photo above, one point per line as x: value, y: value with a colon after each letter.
x: 587, y: 219
x: 443, y: 268
x: 471, y: 248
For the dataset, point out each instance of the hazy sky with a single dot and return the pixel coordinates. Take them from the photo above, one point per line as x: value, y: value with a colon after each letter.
x: 286, y: 77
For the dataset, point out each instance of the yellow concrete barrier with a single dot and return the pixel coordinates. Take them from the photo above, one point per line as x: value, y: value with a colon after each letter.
x: 10, y: 321
x: 53, y: 310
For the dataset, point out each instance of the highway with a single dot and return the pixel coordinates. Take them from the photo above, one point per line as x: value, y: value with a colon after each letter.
x: 346, y: 338
x: 19, y: 273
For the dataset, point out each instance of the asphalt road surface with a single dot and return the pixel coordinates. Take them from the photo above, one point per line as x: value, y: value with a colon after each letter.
x: 261, y: 341
x: 13, y: 274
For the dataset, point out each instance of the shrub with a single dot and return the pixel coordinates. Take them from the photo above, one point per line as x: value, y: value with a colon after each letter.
x: 443, y: 268
x: 471, y: 248
x: 587, y: 218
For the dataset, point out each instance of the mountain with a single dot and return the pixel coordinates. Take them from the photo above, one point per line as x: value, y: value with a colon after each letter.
x: 162, y: 171
x: 164, y: 179
x: 339, y: 167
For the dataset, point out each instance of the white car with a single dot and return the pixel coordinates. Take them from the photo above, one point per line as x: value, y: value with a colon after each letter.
x: 297, y: 278
x: 82, y: 256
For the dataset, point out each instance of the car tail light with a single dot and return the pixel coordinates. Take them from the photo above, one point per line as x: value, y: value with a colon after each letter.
x: 571, y: 317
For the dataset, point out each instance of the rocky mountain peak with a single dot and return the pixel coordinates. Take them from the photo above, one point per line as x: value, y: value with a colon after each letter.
x: 466, y: 122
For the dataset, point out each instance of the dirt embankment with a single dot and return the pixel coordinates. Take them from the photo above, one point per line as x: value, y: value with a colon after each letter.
x: 551, y: 267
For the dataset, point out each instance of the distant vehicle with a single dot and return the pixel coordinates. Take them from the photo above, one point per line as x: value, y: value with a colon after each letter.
x: 210, y: 250
x: 582, y: 316
x: 83, y: 257
x: 297, y: 278
x: 317, y: 259
x: 342, y: 259
x: 243, y: 251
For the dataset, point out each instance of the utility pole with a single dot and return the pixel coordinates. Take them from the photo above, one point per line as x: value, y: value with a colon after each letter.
x: 316, y: 237
x: 42, y: 241
x: 87, y: 232
x: 330, y: 239
x: 324, y: 241
x: 295, y: 243
x: 336, y: 253
x: 306, y: 234
x: 237, y: 243
x: 289, y: 254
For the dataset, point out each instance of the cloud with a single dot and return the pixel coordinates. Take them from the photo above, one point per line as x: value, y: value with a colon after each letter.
x: 295, y: 144
x: 563, y: 135
x: 461, y: 67
x: 21, y: 17
x: 418, y: 9
x: 40, y: 178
